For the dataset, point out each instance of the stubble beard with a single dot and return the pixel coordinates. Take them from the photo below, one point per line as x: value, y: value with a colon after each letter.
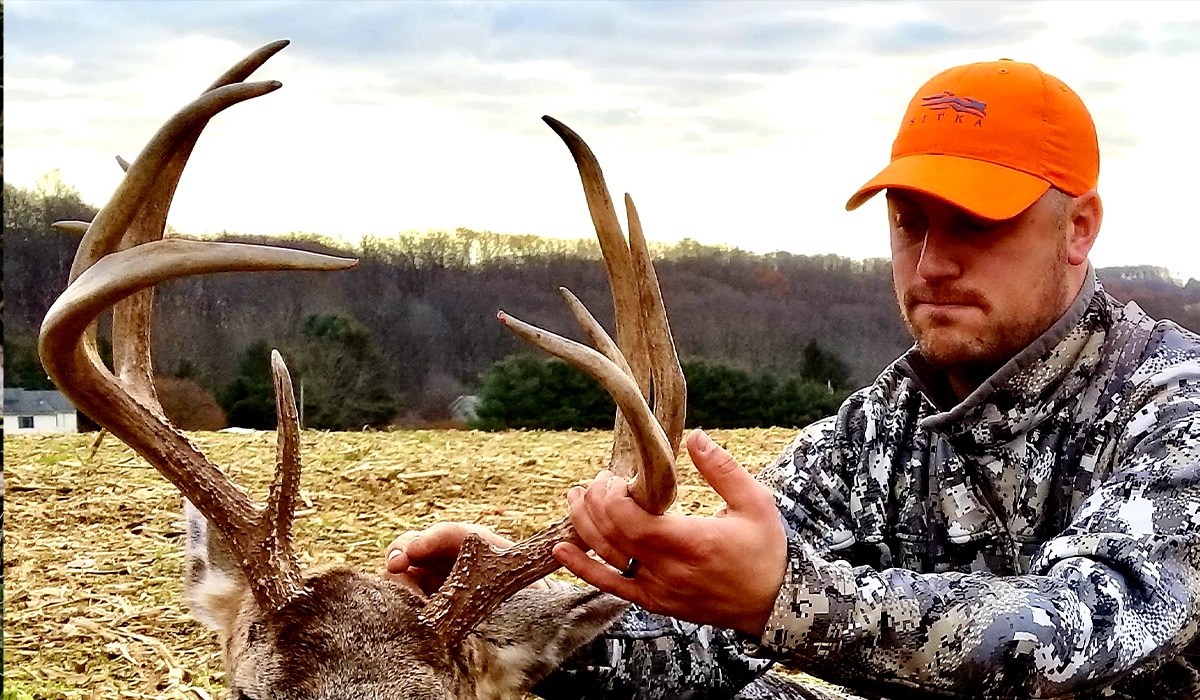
x: 974, y: 354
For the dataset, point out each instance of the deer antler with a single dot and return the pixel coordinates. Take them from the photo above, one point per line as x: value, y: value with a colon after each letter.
x: 645, y: 441
x: 121, y: 258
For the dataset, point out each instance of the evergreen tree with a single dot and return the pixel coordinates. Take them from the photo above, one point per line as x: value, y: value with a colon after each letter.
x: 824, y: 367
x: 522, y: 391
x: 249, y: 401
x: 22, y: 366
x: 343, y: 375
x: 721, y: 395
x: 797, y: 402
x: 547, y: 394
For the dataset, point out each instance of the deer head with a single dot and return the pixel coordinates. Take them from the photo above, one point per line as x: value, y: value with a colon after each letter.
x: 334, y: 632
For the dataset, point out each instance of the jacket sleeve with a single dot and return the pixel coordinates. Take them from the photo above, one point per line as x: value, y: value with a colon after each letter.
x: 652, y: 657
x: 1113, y: 595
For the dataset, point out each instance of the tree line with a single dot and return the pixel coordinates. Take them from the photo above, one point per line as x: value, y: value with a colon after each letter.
x: 413, y: 326
x: 523, y: 391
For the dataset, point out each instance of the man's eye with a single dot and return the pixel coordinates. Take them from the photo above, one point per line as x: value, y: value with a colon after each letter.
x: 910, y: 224
x: 973, y: 225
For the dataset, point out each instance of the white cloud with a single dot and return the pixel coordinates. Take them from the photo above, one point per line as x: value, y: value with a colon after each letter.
x: 747, y: 125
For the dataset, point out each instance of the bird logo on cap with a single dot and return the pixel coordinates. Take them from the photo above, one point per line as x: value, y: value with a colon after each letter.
x: 948, y: 100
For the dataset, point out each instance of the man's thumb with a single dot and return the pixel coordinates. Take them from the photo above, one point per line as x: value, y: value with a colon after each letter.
x: 729, y: 479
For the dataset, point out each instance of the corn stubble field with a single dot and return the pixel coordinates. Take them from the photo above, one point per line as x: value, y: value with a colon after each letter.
x: 93, y: 542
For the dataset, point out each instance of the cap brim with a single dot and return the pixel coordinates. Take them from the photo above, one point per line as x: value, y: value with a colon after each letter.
x: 987, y: 190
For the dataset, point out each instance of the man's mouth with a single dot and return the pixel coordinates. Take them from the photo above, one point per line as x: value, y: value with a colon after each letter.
x: 941, y: 308
x: 935, y: 301
x: 941, y: 304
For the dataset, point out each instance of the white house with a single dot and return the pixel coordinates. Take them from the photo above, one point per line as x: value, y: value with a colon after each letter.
x: 30, y: 411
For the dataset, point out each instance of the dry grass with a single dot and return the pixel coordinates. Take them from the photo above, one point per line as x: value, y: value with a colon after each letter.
x: 92, y: 544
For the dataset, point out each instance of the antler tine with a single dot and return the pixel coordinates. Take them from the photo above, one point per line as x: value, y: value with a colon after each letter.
x: 650, y: 490
x: 79, y: 227
x: 601, y: 340
x: 618, y: 263
x: 670, y: 387
x: 108, y: 228
x: 136, y: 213
x: 241, y: 70
x: 132, y: 362
x: 121, y: 257
x: 285, y: 488
x: 670, y: 391
x: 484, y: 577
x: 639, y: 311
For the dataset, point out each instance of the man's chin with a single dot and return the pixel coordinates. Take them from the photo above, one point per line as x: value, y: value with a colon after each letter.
x: 955, y: 354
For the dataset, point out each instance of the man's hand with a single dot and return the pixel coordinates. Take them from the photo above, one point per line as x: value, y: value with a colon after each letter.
x: 422, y: 560
x: 724, y: 570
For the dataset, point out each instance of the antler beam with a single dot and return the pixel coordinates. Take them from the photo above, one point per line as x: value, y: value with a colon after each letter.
x: 121, y: 258
x: 645, y: 441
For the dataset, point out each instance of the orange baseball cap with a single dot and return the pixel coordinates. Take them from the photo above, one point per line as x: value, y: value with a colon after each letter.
x: 991, y: 138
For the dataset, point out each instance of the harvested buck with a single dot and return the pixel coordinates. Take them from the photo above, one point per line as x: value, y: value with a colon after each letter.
x: 334, y: 632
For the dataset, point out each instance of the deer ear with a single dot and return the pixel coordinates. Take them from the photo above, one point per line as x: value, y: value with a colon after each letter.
x: 213, y: 584
x: 537, y: 629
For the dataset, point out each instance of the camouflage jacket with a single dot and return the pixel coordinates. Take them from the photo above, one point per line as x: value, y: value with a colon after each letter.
x: 1040, y: 538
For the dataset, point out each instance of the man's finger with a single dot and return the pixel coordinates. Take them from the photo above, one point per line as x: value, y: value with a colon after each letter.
x: 394, y: 556
x: 596, y: 500
x: 597, y: 573
x: 728, y: 478
x: 582, y: 517
x: 443, y: 541
x: 436, y: 546
x: 417, y: 579
x: 630, y: 528
x: 397, y: 561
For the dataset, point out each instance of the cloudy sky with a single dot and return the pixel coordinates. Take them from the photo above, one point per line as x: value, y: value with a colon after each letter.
x: 744, y: 123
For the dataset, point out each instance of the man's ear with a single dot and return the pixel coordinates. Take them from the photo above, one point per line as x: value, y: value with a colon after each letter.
x: 1085, y: 212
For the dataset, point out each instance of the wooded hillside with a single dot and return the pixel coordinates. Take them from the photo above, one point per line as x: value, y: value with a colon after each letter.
x: 425, y: 304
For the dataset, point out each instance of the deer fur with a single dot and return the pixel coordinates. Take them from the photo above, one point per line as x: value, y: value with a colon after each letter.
x: 341, y: 637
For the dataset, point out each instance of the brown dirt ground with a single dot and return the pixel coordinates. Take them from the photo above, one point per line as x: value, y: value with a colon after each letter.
x: 93, y: 543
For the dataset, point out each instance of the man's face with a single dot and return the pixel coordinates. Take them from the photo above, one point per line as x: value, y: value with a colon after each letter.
x: 975, y: 292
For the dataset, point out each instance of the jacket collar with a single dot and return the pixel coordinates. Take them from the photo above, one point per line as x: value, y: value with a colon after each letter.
x: 1027, y: 386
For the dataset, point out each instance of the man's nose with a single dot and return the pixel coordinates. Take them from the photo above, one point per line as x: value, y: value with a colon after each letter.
x: 939, y: 256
